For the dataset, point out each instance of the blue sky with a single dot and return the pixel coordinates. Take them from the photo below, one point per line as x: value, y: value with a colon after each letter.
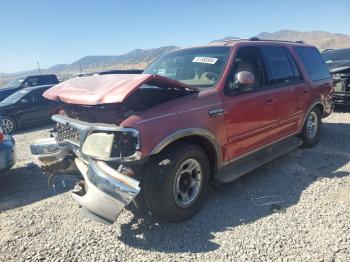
x: 54, y: 32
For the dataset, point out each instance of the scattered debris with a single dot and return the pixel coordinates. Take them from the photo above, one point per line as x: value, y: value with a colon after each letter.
x: 266, y: 200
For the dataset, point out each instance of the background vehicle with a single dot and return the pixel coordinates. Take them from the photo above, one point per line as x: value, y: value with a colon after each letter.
x: 338, y: 61
x: 195, y: 115
x: 29, y: 81
x: 7, y: 150
x: 26, y: 107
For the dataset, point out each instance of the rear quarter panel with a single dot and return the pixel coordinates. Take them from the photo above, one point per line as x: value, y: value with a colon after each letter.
x: 321, y: 90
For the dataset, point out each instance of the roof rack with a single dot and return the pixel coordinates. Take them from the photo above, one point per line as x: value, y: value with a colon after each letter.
x: 228, y: 41
x: 273, y: 40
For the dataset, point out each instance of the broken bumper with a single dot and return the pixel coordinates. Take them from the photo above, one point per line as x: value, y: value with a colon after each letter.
x: 341, y: 98
x: 105, y: 191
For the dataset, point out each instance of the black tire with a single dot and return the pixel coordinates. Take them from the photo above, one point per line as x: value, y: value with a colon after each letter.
x: 159, y: 183
x: 5, y: 121
x: 311, y: 138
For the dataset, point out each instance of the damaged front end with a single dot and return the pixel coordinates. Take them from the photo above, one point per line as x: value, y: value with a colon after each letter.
x: 98, y: 151
x: 341, y: 84
x: 89, y: 137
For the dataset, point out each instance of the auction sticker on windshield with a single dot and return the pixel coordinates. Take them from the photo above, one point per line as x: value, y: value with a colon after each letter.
x: 206, y: 60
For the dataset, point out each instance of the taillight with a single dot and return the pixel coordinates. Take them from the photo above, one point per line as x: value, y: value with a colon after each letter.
x: 2, y: 135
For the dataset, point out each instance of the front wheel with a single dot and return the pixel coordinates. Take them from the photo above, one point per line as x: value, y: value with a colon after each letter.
x: 176, y: 183
x: 9, y: 124
x: 311, y: 129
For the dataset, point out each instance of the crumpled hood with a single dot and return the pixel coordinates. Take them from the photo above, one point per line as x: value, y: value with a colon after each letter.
x: 333, y: 66
x: 105, y: 89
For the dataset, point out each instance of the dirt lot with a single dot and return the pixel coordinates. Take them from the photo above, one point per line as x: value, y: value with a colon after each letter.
x: 310, y: 220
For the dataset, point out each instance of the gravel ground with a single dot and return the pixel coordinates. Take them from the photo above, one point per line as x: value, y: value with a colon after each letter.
x: 309, y: 221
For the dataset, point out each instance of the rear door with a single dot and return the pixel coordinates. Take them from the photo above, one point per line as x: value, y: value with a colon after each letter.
x: 284, y: 76
x: 250, y: 114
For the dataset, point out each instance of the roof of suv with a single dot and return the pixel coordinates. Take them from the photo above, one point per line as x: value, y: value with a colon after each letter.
x: 232, y: 42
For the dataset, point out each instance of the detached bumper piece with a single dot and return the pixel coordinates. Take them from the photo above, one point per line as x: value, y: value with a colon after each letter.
x: 50, y: 156
x: 341, y: 98
x: 105, y: 191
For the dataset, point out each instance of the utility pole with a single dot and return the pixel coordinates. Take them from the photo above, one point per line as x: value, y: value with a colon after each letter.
x: 38, y: 67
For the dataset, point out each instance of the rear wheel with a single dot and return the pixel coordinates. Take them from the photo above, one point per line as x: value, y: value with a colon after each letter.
x: 9, y: 124
x: 176, y: 183
x: 311, y: 129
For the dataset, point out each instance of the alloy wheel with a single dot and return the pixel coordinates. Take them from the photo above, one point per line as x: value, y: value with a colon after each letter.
x: 312, y: 125
x: 7, y: 125
x: 187, y: 183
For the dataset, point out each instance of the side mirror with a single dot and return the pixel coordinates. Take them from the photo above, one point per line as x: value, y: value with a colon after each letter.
x: 242, y: 80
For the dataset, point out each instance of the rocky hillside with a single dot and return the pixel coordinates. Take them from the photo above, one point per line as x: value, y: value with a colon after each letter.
x: 139, y: 58
x: 322, y: 40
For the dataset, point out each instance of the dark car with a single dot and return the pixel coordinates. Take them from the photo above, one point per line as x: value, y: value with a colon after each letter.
x: 29, y: 81
x: 7, y: 151
x: 338, y: 61
x: 26, y: 107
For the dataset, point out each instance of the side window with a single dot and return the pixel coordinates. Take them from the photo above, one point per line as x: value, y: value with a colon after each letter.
x: 31, y: 81
x: 46, y: 80
x: 38, y: 96
x: 313, y: 63
x: 279, y: 66
x: 27, y: 98
x: 249, y: 59
x: 296, y: 71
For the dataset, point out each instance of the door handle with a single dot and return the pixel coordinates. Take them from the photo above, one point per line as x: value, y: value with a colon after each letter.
x: 306, y: 91
x: 216, y: 112
x: 269, y: 101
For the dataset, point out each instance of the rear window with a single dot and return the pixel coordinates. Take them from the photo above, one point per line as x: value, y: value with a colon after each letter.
x: 313, y: 63
x: 280, y: 67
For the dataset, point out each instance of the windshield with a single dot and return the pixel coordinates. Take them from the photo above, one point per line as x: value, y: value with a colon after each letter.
x: 200, y: 67
x: 14, y: 98
x: 14, y: 83
x: 336, y: 55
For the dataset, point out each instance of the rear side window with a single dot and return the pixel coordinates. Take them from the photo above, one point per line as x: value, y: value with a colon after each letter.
x: 279, y: 65
x: 313, y: 63
x: 49, y: 79
x: 31, y: 81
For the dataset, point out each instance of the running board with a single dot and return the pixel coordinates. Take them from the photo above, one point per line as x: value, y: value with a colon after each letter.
x: 248, y: 163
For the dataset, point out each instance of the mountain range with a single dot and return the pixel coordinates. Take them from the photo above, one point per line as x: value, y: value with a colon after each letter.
x: 139, y: 58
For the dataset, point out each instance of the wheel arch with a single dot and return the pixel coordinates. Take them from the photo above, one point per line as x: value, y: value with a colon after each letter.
x: 317, y: 104
x: 201, y: 137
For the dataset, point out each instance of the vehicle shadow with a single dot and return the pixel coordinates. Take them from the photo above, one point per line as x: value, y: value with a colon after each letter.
x: 25, y: 185
x: 231, y: 205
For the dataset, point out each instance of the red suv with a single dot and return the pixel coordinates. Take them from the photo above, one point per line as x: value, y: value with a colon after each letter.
x: 195, y: 115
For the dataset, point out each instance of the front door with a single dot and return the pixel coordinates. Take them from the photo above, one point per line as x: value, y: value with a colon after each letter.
x: 35, y: 108
x: 250, y: 112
